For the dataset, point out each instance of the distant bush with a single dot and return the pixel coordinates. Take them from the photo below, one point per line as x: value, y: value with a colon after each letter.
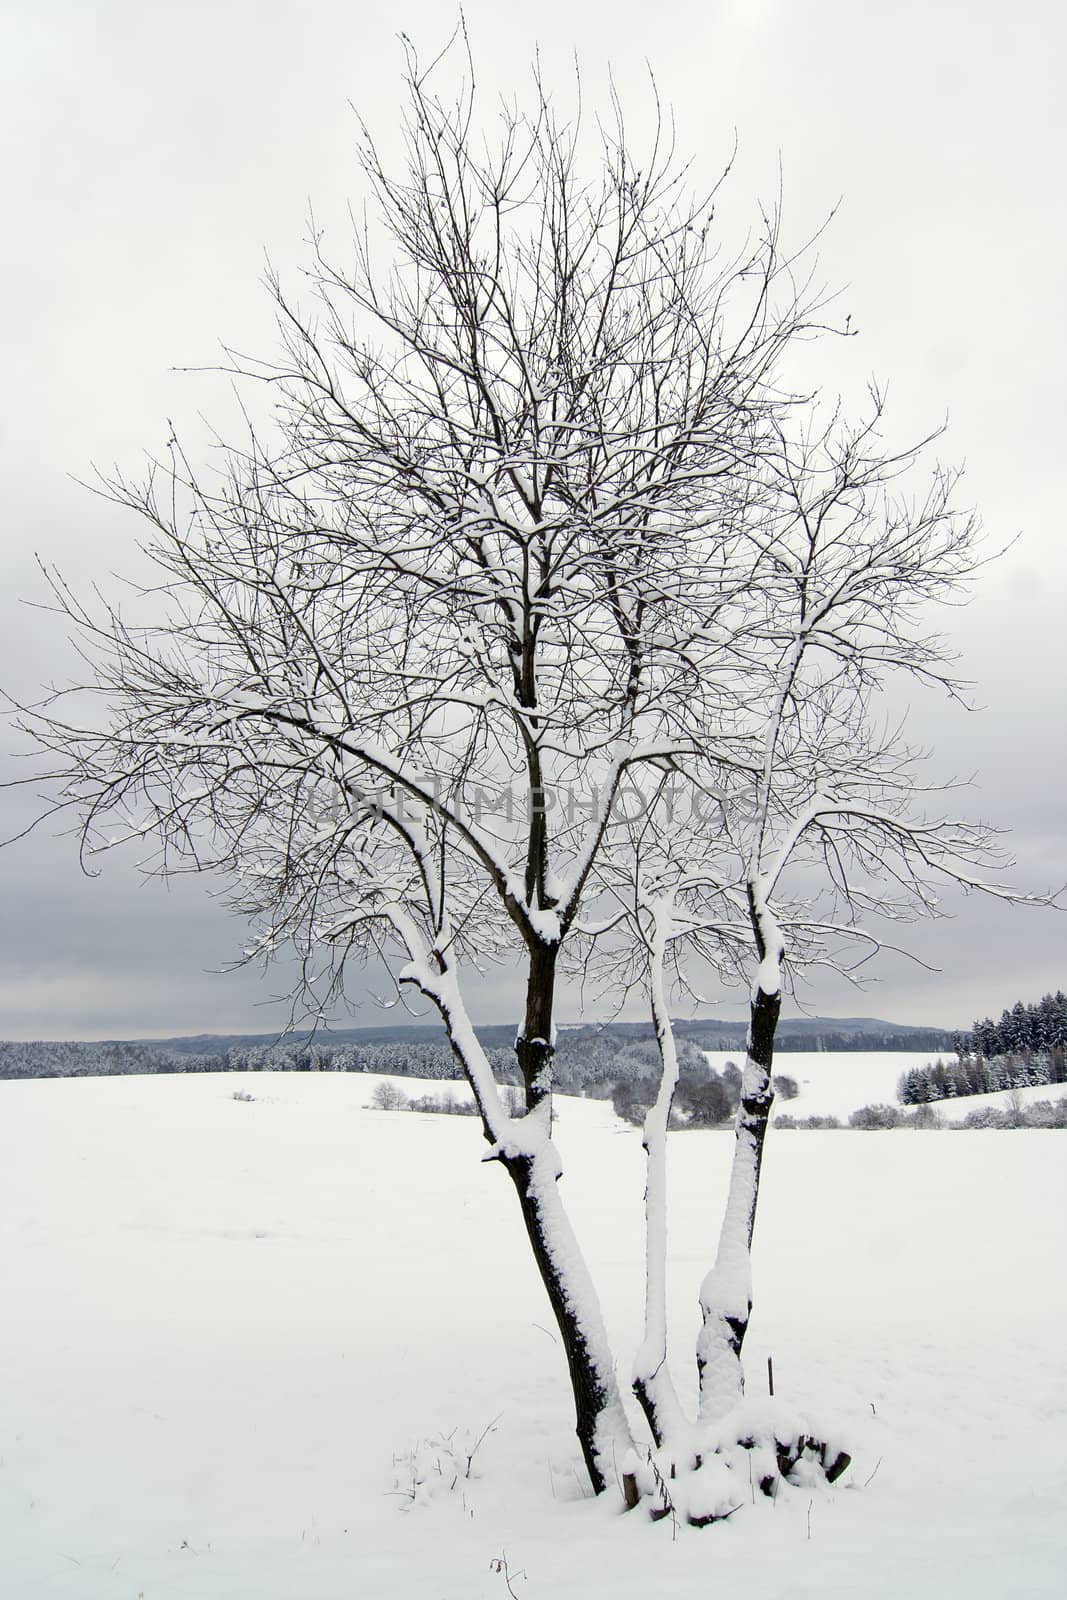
x: 703, y: 1104
x: 922, y: 1117
x: 1047, y: 1113
x: 813, y: 1123
x: 1016, y: 1114
x: 387, y: 1097
x: 1039, y: 1114
x: 443, y: 1105
x: 785, y: 1088
x: 704, y: 1098
x: 875, y: 1117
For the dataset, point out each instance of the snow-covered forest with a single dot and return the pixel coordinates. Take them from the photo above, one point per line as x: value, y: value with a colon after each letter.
x: 1026, y: 1047
x: 1023, y: 1029
x: 587, y: 1058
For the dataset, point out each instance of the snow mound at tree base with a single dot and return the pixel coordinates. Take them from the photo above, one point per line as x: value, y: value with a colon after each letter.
x: 760, y: 1449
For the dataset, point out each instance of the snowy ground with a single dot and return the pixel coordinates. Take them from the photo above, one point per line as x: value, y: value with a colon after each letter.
x: 222, y: 1320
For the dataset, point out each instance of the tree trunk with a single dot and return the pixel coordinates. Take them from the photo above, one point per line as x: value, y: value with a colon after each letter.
x: 726, y: 1293
x: 533, y: 1164
x: 652, y: 1382
x: 600, y: 1418
x: 534, y: 1046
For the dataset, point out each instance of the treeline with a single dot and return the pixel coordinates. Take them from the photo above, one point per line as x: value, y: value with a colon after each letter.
x: 586, y: 1061
x: 1024, y: 1030
x: 951, y: 1080
x: 815, y: 1035
x: 1038, y: 1114
x: 98, y: 1059
x: 1026, y: 1048
x: 413, y: 1059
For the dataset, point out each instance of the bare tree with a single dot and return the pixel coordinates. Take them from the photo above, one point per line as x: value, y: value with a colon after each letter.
x: 803, y: 836
x: 525, y: 530
x: 479, y: 571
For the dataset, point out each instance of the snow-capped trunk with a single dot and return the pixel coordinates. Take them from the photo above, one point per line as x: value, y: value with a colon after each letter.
x: 524, y: 1146
x: 726, y: 1293
x: 652, y: 1382
x: 600, y: 1420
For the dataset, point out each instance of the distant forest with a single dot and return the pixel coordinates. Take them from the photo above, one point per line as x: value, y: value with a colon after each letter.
x: 588, y: 1059
x: 1033, y: 1029
x: 1027, y: 1047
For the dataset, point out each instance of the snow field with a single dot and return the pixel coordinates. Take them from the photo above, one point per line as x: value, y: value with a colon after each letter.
x: 223, y: 1320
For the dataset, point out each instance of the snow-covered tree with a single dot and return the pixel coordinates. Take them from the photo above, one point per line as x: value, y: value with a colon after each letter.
x: 536, y: 522
x: 816, y: 832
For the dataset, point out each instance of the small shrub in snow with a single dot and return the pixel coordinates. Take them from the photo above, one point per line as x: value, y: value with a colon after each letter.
x: 785, y: 1088
x: 242, y: 1094
x: 439, y: 1466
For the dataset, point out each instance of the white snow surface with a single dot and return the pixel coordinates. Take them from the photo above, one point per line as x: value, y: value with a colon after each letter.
x: 245, y: 1344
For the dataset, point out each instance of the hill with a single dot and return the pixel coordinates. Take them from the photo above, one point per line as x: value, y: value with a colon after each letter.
x: 587, y: 1054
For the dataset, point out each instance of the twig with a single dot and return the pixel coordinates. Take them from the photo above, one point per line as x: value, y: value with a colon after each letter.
x: 474, y: 1447
x: 500, y: 1564
x: 667, y: 1509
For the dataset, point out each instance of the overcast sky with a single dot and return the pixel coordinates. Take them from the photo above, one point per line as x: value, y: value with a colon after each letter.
x: 153, y: 153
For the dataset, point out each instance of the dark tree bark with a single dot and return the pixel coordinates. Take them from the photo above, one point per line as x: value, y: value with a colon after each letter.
x: 592, y: 1397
